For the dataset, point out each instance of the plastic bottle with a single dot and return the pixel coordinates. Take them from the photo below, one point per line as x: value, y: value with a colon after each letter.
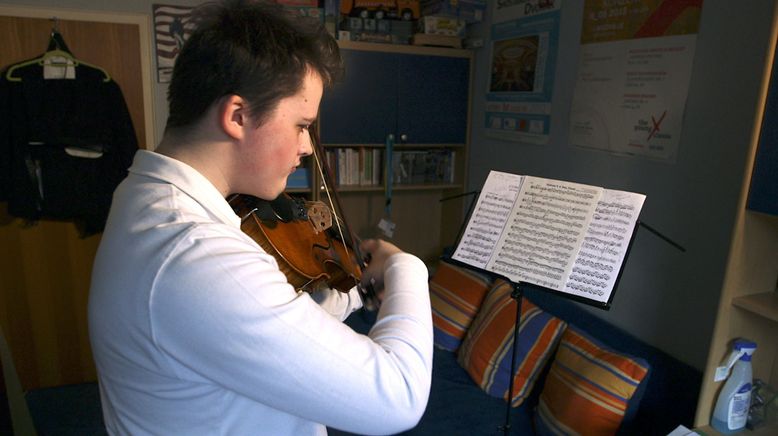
x: 731, y: 411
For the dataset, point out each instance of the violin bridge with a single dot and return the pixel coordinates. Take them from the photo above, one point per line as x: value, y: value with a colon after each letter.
x: 319, y: 215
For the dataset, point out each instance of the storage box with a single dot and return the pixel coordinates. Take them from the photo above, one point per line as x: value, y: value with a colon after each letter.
x: 316, y: 13
x: 437, y: 40
x: 403, y: 29
x: 299, y: 3
x: 344, y: 35
x: 332, y: 16
x: 471, y: 11
x: 437, y: 25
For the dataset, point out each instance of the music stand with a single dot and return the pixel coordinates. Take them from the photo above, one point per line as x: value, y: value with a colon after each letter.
x: 520, y: 285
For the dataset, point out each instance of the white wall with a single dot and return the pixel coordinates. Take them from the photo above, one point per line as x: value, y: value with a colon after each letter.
x: 666, y: 297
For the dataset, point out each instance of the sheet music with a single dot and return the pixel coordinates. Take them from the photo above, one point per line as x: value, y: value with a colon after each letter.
x: 488, y: 219
x: 568, y: 237
x: 544, y: 231
x: 605, y: 245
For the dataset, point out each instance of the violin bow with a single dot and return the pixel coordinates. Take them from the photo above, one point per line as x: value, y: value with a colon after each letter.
x: 332, y: 194
x: 367, y: 292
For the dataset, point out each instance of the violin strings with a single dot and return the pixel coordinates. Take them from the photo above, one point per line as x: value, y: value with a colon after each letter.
x: 329, y: 197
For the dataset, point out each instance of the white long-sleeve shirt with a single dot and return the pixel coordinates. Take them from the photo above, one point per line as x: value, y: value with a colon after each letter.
x: 194, y: 329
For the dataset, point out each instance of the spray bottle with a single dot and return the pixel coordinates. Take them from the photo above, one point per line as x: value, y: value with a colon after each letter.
x: 731, y: 411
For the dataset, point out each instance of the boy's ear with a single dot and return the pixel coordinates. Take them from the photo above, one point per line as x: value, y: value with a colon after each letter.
x: 233, y: 116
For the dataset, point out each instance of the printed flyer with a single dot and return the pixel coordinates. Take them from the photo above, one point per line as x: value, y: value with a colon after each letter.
x: 633, y: 76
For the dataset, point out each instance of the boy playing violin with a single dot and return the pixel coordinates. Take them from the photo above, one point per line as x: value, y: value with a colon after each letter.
x: 193, y: 327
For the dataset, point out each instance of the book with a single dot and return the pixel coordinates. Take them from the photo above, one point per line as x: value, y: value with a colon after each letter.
x: 360, y: 166
x: 568, y: 237
x: 419, y: 167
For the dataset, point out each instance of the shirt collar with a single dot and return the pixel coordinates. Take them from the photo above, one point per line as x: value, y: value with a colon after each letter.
x: 187, y: 179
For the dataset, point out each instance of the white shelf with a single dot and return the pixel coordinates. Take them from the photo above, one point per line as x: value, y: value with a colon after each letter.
x: 770, y: 430
x: 405, y: 49
x: 763, y: 304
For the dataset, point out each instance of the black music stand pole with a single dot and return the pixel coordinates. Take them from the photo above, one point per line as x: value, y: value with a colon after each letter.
x: 517, y: 295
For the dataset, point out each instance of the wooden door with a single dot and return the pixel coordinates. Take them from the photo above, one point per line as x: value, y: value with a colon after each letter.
x: 45, y: 267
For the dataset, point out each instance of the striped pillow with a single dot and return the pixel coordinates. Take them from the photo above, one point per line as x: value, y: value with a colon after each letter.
x: 486, y: 352
x: 455, y: 294
x: 588, y: 388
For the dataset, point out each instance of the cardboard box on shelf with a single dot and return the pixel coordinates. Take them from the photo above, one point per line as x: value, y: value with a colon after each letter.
x: 437, y: 40
x: 372, y: 30
x: 381, y: 9
x: 471, y: 11
x: 344, y: 35
x: 299, y: 3
x: 437, y: 25
x: 304, y: 11
x: 373, y: 37
x: 332, y: 16
x: 402, y: 29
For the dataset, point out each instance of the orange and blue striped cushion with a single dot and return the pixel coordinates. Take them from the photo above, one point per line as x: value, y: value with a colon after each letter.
x: 588, y: 388
x: 486, y: 352
x: 455, y: 294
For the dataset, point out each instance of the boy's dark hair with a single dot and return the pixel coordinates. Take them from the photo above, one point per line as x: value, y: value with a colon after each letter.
x: 254, y: 49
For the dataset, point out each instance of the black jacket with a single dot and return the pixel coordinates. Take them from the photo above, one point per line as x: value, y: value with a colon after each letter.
x: 65, y: 144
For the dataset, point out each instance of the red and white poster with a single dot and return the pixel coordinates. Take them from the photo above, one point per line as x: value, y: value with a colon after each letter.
x: 633, y: 75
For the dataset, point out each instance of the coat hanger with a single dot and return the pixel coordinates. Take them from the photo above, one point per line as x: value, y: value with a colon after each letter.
x: 57, y: 49
x: 56, y: 41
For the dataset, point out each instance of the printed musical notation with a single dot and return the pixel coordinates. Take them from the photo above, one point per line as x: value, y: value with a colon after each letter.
x: 544, y: 231
x: 605, y: 244
x: 488, y: 219
x: 560, y: 235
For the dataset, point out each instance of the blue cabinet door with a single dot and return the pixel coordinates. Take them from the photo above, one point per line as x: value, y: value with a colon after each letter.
x: 362, y: 109
x: 433, y: 97
x: 763, y: 193
x: 422, y: 97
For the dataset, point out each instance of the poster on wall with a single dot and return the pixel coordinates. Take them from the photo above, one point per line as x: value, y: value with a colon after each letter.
x: 633, y: 76
x: 171, y: 28
x: 524, y: 41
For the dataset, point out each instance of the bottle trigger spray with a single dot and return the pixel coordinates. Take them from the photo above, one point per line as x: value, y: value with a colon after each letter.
x: 731, y: 411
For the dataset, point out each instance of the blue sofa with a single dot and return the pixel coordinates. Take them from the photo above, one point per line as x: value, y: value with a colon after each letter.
x: 457, y: 406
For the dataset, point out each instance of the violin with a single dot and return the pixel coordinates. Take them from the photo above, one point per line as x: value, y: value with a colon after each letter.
x: 311, y: 251
x: 299, y: 234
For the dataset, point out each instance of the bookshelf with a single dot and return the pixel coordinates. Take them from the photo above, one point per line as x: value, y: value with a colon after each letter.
x: 365, y: 167
x: 420, y: 97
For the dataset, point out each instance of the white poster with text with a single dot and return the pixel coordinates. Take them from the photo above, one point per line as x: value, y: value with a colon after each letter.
x: 633, y: 76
